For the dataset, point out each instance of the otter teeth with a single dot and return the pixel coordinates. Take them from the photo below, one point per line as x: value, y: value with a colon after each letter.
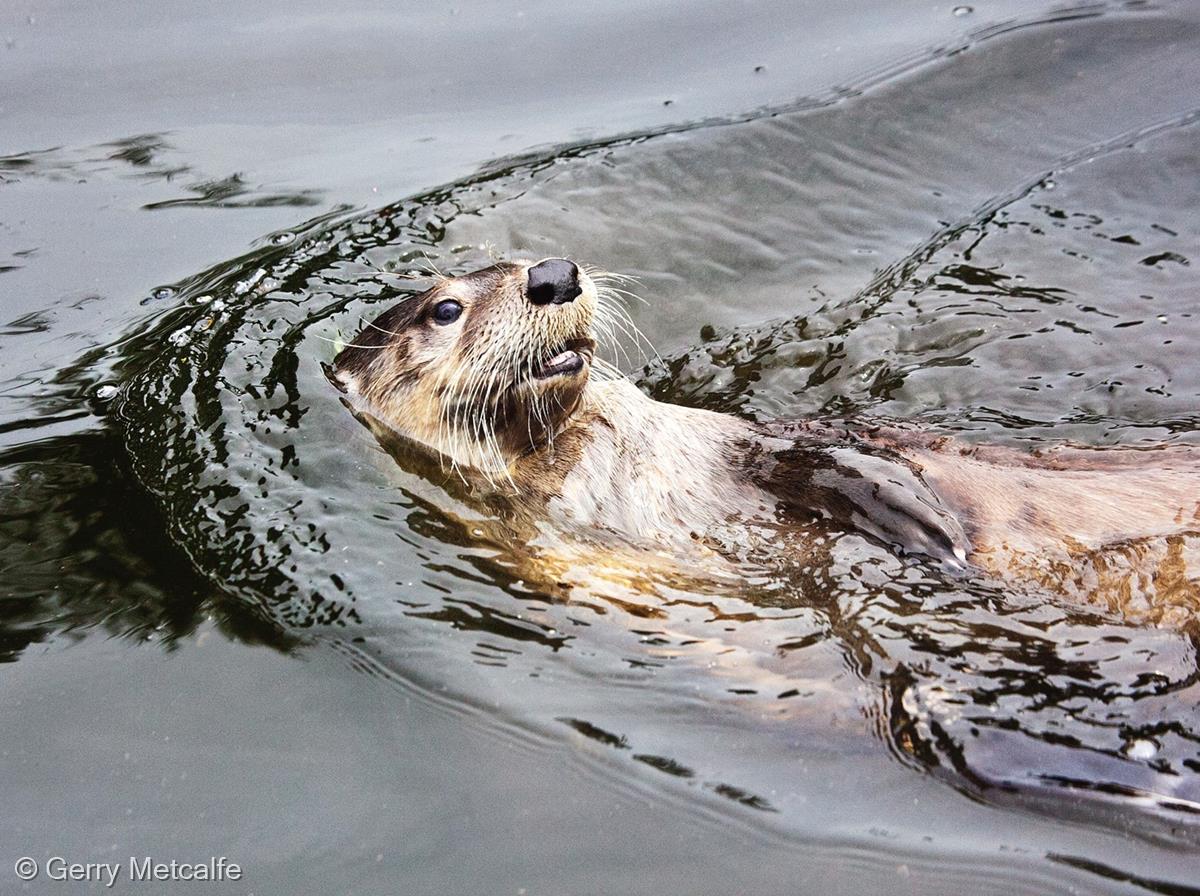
x: 567, y: 361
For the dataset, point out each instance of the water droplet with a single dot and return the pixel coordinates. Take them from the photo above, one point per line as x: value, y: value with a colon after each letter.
x: 961, y: 11
x: 1141, y: 749
x: 668, y: 102
x: 758, y: 69
x: 107, y: 392
x: 282, y: 239
x: 162, y: 292
x: 244, y: 286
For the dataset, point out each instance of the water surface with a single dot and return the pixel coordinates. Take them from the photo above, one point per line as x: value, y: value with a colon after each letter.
x: 983, y: 222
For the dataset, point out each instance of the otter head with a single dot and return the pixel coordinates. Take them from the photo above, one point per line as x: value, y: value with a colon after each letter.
x: 483, y: 367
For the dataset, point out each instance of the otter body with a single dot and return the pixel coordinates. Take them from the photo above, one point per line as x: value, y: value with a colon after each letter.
x: 494, y: 373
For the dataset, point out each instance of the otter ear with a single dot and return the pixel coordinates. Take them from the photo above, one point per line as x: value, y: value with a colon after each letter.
x: 340, y: 380
x: 389, y: 330
x: 354, y: 360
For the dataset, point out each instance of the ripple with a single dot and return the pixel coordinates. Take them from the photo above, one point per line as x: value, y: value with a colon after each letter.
x: 1002, y: 323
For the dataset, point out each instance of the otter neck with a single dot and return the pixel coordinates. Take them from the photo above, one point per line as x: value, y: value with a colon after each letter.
x: 635, y: 466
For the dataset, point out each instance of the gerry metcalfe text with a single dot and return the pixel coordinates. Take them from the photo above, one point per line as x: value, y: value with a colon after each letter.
x: 136, y: 868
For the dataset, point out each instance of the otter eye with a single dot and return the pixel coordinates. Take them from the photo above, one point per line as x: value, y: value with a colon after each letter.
x: 446, y: 312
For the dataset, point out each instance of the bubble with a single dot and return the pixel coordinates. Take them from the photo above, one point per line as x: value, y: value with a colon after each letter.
x: 204, y: 299
x: 106, y: 392
x: 179, y: 337
x: 282, y: 239
x: 961, y: 11
x: 162, y: 292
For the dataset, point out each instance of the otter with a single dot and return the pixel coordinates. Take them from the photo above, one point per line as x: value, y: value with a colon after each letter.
x: 495, y: 375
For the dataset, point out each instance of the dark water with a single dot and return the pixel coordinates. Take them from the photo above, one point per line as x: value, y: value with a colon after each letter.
x: 234, y: 626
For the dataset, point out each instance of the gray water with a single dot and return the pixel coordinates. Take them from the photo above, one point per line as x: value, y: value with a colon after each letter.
x: 234, y: 627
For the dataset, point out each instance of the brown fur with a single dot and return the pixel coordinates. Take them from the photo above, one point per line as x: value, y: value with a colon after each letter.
x: 1120, y: 527
x: 580, y: 459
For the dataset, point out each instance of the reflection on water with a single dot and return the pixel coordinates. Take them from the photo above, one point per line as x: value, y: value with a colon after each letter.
x: 82, y: 547
x: 1048, y: 297
x: 146, y: 157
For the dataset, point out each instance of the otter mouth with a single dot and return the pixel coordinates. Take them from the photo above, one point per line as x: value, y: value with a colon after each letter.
x: 566, y: 360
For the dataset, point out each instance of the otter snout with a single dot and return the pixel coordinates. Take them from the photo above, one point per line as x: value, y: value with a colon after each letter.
x: 553, y: 281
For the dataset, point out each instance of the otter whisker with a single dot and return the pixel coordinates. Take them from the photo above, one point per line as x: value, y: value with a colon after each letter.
x: 602, y: 275
x: 623, y: 319
x: 624, y: 293
x: 476, y: 403
x: 375, y: 326
x: 606, y: 372
x: 347, y: 344
x: 528, y: 416
x: 442, y: 409
x: 631, y: 336
x: 456, y: 408
x: 478, y: 400
x: 437, y: 272
x: 606, y: 334
x: 619, y: 296
x: 467, y: 423
x: 616, y: 318
x: 613, y: 309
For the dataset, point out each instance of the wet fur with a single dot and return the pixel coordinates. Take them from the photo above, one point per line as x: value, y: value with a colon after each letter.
x: 590, y: 455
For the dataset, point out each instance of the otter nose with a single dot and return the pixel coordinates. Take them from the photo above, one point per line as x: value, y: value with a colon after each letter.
x: 553, y: 280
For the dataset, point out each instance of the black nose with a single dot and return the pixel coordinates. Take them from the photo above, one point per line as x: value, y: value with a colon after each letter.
x: 553, y: 280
